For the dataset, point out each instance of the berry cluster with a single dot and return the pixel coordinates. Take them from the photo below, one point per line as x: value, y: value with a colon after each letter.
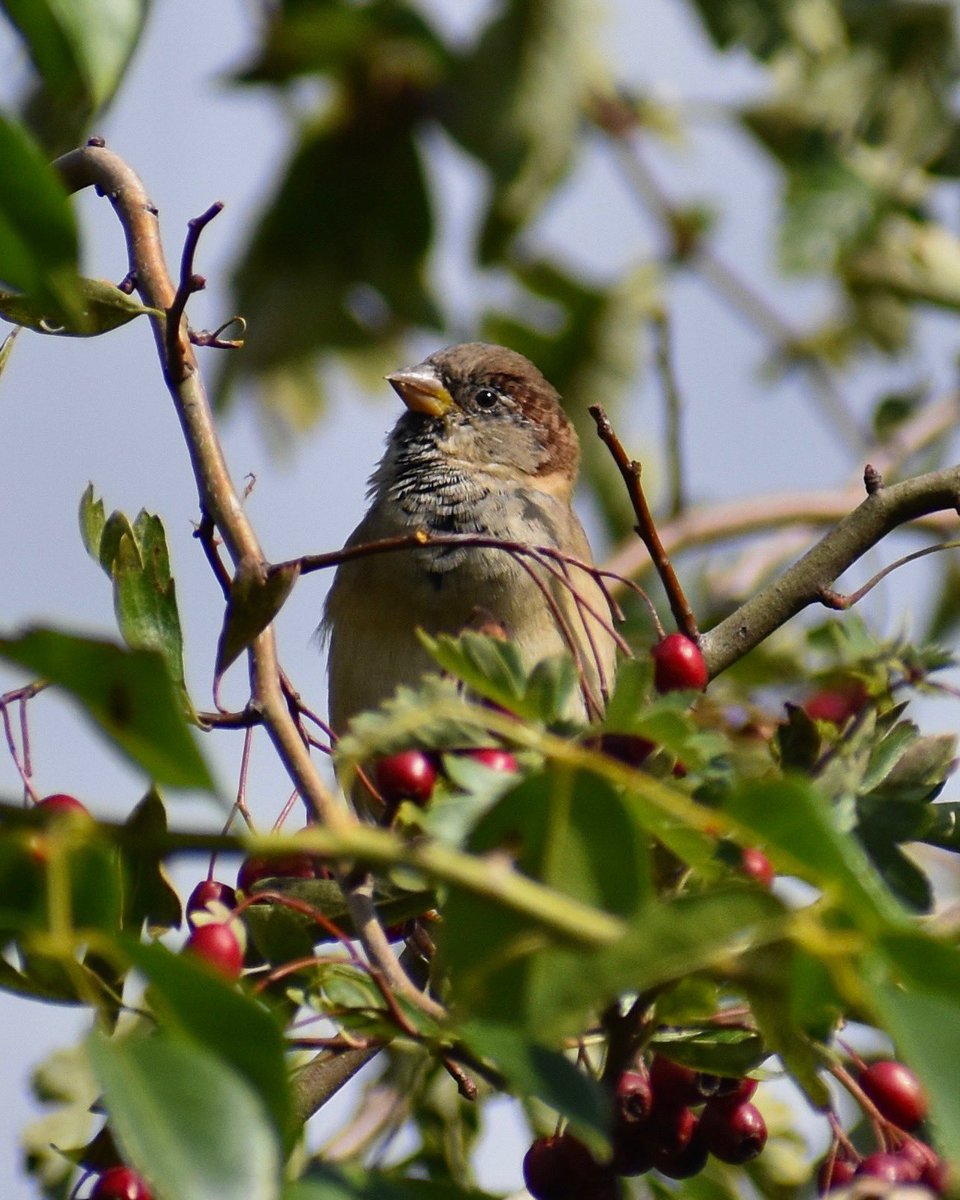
x: 667, y: 1118
x: 413, y: 774
x: 898, y: 1099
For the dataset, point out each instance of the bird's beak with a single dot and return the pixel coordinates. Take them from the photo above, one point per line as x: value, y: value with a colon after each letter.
x: 421, y: 390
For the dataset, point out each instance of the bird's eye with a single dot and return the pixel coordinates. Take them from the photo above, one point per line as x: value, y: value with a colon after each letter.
x: 487, y: 398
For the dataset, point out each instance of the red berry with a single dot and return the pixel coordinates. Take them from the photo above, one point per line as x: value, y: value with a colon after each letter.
x: 60, y: 804
x: 756, y: 865
x: 673, y: 1084
x: 494, y: 758
x: 286, y: 866
x: 207, y: 891
x: 669, y: 1130
x: 633, y: 1150
x: 217, y: 945
x: 678, y: 665
x: 409, y: 775
x: 685, y: 1163
x: 836, y: 704
x: 734, y: 1133
x: 896, y: 1092
x: 936, y: 1176
x: 562, y: 1168
x: 834, y: 1175
x: 892, y: 1168
x: 121, y: 1183
x: 633, y: 1097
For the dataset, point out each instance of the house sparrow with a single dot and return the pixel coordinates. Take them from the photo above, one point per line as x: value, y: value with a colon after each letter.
x: 483, y: 448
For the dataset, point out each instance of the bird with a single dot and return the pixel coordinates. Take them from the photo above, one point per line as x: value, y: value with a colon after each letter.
x: 483, y: 448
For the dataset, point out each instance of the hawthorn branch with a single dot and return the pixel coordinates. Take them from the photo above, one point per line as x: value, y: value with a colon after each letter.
x: 95, y: 166
x: 812, y: 577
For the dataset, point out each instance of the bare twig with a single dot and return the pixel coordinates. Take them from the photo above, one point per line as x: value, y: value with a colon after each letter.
x: 663, y: 358
x: 645, y: 527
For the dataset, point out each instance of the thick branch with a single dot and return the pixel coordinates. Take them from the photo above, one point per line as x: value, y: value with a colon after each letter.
x: 805, y: 582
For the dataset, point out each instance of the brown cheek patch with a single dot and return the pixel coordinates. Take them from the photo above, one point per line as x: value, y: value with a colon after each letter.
x: 541, y: 404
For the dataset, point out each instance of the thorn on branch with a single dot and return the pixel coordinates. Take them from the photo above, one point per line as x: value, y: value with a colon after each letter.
x: 97, y: 141
x: 215, y: 339
x: 128, y: 283
x: 872, y: 480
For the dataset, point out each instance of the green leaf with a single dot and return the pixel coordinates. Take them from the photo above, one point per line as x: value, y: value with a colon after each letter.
x: 137, y: 560
x: 914, y: 985
x: 327, y: 1182
x: 103, y: 307
x: 191, y: 1125
x: 797, y: 827
x: 492, y: 668
x: 714, y: 1050
x: 532, y: 1069
x: 38, y: 235
x: 257, y: 593
x: 128, y: 694
x: 671, y: 939
x: 226, y: 1022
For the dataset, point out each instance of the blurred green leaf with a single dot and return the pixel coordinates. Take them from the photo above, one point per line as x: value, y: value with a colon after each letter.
x: 524, y: 128
x: 715, y: 1050
x: 324, y: 1181
x: 224, y: 1021
x: 128, y: 694
x: 38, y: 234
x: 791, y: 820
x: 332, y: 265
x: 80, y: 50
x: 190, y: 1125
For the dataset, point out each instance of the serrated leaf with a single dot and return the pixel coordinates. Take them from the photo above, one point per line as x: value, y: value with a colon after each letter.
x: 128, y: 694
x: 136, y: 559
x: 257, y: 593
x: 887, y: 752
x: 492, y: 668
x: 166, y: 1098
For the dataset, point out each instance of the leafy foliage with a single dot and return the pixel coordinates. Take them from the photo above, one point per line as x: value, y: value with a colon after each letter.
x: 590, y: 907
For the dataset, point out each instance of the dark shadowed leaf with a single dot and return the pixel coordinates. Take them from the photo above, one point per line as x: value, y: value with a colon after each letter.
x: 38, y: 235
